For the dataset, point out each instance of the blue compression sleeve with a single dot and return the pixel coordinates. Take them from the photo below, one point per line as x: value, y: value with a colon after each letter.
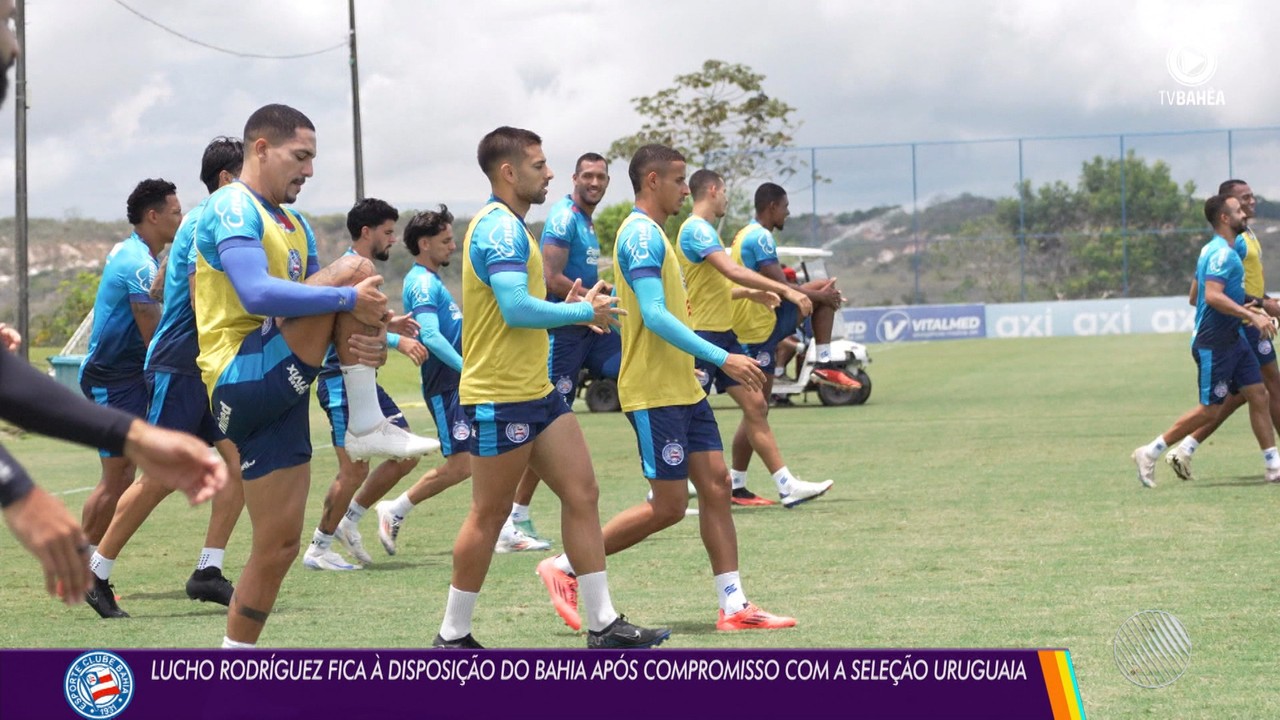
x: 521, y: 310
x: 393, y: 340
x: 653, y: 309
x: 440, y: 348
x: 262, y: 294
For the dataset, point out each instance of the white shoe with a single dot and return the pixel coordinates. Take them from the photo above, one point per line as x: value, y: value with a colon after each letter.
x: 388, y: 526
x: 388, y: 440
x: 512, y: 540
x: 693, y: 491
x: 1146, y: 467
x: 354, y: 543
x: 1180, y: 461
x: 316, y: 559
x: 1272, y: 475
x: 798, y: 491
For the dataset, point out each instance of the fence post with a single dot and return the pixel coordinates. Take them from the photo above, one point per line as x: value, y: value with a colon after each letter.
x: 1124, y: 216
x: 1022, y: 228
x: 915, y: 226
x: 813, y: 194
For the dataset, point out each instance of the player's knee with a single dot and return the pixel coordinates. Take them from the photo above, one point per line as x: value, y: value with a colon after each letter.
x: 668, y: 511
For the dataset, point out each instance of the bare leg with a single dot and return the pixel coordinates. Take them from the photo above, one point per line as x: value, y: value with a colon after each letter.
x: 135, y: 504
x: 493, y: 486
x: 561, y: 458
x: 438, y: 479
x: 755, y: 428
x: 117, y: 475
x: 382, y: 480
x: 528, y: 483
x: 229, y: 502
x: 343, y: 488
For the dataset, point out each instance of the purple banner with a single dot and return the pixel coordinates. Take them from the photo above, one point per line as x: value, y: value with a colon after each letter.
x: 137, y: 684
x: 915, y: 322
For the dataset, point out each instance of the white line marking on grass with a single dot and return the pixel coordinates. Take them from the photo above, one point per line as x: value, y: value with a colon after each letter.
x: 73, y: 491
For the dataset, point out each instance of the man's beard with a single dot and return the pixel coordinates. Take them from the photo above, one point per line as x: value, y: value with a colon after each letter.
x: 383, y: 255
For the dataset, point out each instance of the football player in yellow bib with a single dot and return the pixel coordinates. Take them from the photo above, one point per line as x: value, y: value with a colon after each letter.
x: 675, y: 429
x: 1255, y: 290
x: 517, y: 418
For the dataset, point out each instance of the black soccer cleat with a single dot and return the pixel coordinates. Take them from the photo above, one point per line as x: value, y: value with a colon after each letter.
x: 466, y: 642
x: 622, y: 635
x: 209, y: 585
x: 102, y: 598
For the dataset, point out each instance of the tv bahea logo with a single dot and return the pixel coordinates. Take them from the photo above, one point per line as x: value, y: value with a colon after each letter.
x: 99, y: 684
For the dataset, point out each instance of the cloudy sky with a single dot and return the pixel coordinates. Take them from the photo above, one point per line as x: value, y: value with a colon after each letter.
x: 114, y: 99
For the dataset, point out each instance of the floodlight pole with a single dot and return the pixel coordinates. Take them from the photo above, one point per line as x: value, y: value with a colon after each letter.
x: 355, y: 100
x: 20, y: 182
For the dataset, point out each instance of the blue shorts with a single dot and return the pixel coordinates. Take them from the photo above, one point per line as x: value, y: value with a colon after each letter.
x: 332, y: 396
x: 129, y: 396
x: 260, y: 402
x: 575, y: 347
x: 497, y: 428
x: 667, y: 435
x: 1220, y: 371
x: 708, y: 371
x: 452, y: 426
x: 181, y: 402
x: 786, y: 318
x: 1263, y: 349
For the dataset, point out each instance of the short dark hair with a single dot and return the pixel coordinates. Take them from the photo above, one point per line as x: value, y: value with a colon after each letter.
x: 1214, y: 207
x: 590, y: 157
x: 150, y: 194
x: 1226, y: 187
x: 702, y: 181
x: 504, y: 144
x: 277, y: 123
x: 222, y: 153
x: 767, y: 194
x: 369, y: 212
x: 646, y: 160
x: 426, y: 224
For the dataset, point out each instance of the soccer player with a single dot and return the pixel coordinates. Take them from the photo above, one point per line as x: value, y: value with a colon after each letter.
x: 570, y: 251
x: 1250, y: 250
x: 713, y: 280
x: 179, y: 400
x: 371, y: 223
x: 517, y: 418
x: 264, y: 333
x: 429, y: 238
x: 1223, y: 357
x: 760, y: 330
x: 675, y: 429
x: 124, y: 319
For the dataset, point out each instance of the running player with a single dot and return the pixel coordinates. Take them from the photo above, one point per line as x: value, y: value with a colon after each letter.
x: 371, y: 223
x: 264, y: 334
x: 179, y: 400
x: 124, y: 319
x: 517, y: 418
x: 1255, y: 290
x: 1225, y: 361
x: 570, y: 251
x: 675, y: 429
x: 760, y: 329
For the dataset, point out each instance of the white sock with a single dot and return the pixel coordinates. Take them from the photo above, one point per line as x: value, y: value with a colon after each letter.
x: 739, y: 478
x: 210, y: 557
x: 1155, y: 447
x: 229, y: 644
x: 824, y: 352
x: 355, y: 511
x: 1189, y: 445
x: 457, y: 614
x: 562, y: 564
x: 729, y: 590
x: 100, y: 566
x: 519, y: 513
x: 401, y: 506
x: 593, y: 588
x: 782, y: 478
x: 778, y: 371
x: 364, y: 411
x: 321, y: 541
x: 1271, y: 457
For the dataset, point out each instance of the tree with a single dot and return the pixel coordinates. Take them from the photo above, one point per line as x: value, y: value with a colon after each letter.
x: 78, y: 294
x: 719, y: 117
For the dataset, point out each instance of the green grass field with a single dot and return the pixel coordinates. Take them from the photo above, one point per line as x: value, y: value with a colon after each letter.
x: 983, y: 498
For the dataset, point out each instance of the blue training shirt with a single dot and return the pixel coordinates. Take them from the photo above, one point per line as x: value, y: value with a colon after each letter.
x: 429, y: 302
x: 758, y: 248
x: 569, y: 227
x: 116, y: 352
x: 174, y: 347
x: 1219, y: 261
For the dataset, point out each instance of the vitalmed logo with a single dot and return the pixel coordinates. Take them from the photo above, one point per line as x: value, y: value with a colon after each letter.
x: 1192, y: 67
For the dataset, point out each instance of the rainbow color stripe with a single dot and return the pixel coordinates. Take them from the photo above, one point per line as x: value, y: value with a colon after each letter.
x: 1060, y: 681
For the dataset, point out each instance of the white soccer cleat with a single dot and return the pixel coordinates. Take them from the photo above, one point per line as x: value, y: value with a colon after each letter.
x: 1272, y: 475
x: 798, y: 491
x: 1180, y: 461
x: 388, y: 440
x: 1146, y: 467
x: 388, y: 526
x: 315, y: 559
x: 512, y: 540
x: 354, y: 543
